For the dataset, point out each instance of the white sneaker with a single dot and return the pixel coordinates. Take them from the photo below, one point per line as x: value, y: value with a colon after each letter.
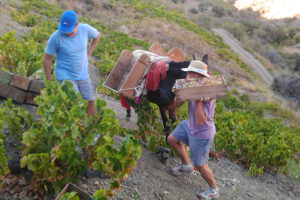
x: 209, y: 194
x: 182, y: 169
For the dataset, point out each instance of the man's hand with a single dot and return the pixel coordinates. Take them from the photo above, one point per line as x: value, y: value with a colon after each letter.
x: 177, y: 102
x: 174, y: 89
x: 205, y: 99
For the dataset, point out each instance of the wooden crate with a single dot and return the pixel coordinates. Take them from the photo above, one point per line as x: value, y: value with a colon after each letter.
x: 126, y: 74
x: 129, y: 69
x: 176, y: 55
x: 116, y: 77
x: 134, y: 76
x: 212, y: 87
x: 157, y: 49
x: 73, y: 188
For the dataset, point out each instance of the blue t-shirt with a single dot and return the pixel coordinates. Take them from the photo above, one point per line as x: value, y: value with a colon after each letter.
x: 207, y: 129
x: 71, y: 53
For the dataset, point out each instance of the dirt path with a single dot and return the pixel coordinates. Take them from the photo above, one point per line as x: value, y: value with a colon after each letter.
x: 151, y: 179
x: 245, y: 56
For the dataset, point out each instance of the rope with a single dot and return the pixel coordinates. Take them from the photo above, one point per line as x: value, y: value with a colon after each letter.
x: 134, y: 88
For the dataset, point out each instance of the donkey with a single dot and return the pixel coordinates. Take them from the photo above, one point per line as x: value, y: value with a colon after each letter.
x: 163, y: 97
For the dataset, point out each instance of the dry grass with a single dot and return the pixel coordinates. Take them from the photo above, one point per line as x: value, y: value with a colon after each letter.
x: 290, y: 50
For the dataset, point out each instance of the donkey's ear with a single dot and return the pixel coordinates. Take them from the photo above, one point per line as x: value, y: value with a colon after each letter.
x: 205, y: 59
x: 194, y: 57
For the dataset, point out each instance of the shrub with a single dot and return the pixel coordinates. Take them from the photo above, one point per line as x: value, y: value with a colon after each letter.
x: 193, y: 10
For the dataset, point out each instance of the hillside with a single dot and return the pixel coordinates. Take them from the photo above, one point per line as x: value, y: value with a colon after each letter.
x: 252, y: 116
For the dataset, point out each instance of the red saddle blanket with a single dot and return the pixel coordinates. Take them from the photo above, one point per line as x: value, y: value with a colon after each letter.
x: 156, y: 73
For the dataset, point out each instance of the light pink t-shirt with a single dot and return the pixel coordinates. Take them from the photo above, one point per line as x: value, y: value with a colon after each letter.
x: 207, y: 129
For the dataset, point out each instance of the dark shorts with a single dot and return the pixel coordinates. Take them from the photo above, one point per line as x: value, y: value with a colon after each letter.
x: 84, y: 87
x: 199, y: 148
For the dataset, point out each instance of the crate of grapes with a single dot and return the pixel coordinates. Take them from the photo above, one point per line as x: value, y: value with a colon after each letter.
x: 198, y: 88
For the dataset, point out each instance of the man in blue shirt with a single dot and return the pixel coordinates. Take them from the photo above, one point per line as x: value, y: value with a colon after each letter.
x: 69, y: 43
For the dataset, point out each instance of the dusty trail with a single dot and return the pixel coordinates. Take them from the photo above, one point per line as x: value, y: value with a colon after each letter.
x: 258, y: 68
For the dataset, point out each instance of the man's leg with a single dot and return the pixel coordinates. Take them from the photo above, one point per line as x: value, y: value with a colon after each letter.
x: 87, y: 91
x: 90, y: 110
x: 207, y: 175
x: 179, y: 148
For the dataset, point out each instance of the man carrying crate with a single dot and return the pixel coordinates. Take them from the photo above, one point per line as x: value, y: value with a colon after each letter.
x: 197, y: 132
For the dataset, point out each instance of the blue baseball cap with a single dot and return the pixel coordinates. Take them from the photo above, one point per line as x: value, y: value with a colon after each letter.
x: 67, y: 21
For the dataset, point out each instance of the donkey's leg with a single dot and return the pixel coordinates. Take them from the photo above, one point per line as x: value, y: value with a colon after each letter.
x: 172, y: 115
x: 164, y: 152
x: 164, y: 118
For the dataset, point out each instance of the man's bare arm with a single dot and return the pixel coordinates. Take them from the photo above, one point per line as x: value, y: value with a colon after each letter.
x: 92, y: 45
x: 200, y: 116
x: 47, y: 65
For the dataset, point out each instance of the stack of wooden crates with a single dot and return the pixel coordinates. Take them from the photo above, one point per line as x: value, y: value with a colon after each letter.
x: 127, y: 73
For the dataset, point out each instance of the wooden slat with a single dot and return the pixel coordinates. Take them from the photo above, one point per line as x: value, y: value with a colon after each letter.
x: 196, y: 93
x: 176, y: 55
x: 157, y: 49
x: 134, y: 76
x: 114, y: 80
x: 73, y: 188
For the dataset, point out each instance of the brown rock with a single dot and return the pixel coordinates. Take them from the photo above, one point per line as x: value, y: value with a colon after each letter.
x: 19, y: 82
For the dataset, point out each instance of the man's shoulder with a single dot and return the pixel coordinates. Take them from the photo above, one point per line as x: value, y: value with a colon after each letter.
x: 56, y: 34
x: 84, y: 26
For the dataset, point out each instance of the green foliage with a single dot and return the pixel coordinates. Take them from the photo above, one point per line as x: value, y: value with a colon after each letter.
x: 236, y: 30
x: 50, y: 143
x: 3, y: 158
x: 117, y: 163
x: 114, y: 162
x: 148, y: 121
x: 16, y: 118
x: 154, y: 142
x: 24, y: 17
x: 23, y: 57
x: 69, y: 196
x: 294, y: 169
x: 258, y: 143
x: 101, y: 194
